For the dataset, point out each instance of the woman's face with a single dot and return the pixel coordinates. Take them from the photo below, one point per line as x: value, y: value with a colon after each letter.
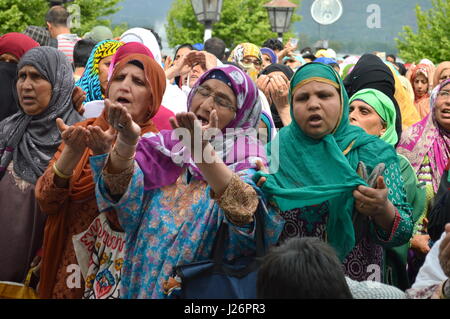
x: 8, y: 57
x: 365, y: 116
x: 420, y: 85
x: 129, y: 88
x: 33, y: 90
x: 181, y: 52
x: 250, y: 59
x: 266, y: 61
x: 444, y: 75
x: 103, y: 68
x: 316, y: 108
x: 442, y: 108
x: 222, y: 100
x: 196, y: 72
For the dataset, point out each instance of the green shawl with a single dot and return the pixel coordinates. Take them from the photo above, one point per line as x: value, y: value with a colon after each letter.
x: 384, y: 107
x: 305, y: 171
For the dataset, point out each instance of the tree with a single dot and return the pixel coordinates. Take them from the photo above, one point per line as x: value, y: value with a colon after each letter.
x: 95, y: 12
x: 16, y: 15
x: 241, y: 21
x: 432, y: 38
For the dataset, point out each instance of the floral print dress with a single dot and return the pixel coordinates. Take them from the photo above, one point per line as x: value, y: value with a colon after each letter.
x: 171, y: 226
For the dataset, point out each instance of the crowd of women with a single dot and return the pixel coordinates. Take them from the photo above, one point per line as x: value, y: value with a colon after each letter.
x: 99, y: 199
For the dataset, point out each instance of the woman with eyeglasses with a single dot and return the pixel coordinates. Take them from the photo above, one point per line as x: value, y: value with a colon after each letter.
x: 248, y: 57
x: 172, y: 190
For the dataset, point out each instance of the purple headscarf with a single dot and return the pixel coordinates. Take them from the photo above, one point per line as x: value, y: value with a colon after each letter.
x: 162, y: 157
x: 271, y: 54
x: 427, y: 138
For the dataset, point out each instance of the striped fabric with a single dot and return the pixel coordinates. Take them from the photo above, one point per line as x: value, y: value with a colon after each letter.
x: 66, y: 43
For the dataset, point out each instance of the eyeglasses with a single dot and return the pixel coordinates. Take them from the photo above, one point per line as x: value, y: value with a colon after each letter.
x: 256, y: 62
x: 444, y: 94
x: 218, y: 101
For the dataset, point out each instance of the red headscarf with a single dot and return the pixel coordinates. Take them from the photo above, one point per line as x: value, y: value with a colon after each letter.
x: 16, y: 44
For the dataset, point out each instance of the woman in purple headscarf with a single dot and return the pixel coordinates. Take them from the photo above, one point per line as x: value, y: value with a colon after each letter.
x: 171, y: 203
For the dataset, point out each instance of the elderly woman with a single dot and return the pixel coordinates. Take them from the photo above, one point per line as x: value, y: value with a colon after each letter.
x: 28, y: 140
x: 95, y: 77
x: 248, y: 57
x: 315, y: 184
x: 427, y: 146
x: 374, y: 112
x: 170, y: 203
x: 12, y: 47
x: 66, y: 190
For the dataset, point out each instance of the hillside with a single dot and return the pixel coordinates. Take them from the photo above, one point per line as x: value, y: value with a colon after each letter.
x: 349, y: 34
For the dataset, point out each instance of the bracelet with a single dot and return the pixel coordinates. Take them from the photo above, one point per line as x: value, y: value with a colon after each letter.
x: 445, y: 291
x: 58, y: 172
x: 123, y: 157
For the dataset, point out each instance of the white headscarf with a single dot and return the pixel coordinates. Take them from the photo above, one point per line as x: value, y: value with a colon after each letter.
x: 147, y: 38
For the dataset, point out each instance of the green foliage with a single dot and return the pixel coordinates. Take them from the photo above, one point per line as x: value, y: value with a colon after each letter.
x: 241, y: 21
x: 16, y: 15
x: 432, y: 38
x: 94, y: 12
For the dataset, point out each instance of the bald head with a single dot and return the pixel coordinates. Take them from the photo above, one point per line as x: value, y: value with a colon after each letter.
x: 57, y: 16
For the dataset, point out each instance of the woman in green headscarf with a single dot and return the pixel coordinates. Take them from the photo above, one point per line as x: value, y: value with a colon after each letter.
x: 374, y: 112
x: 313, y: 178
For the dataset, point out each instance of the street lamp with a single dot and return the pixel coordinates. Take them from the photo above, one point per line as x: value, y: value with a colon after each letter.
x: 207, y: 13
x: 280, y: 14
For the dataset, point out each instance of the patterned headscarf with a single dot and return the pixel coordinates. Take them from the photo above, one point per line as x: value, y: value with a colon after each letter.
x: 243, y: 50
x: 423, y: 69
x: 90, y: 82
x: 427, y: 138
x: 29, y: 140
x: 238, y: 149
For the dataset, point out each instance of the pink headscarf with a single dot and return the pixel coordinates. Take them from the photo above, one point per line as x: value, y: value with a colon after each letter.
x: 126, y: 49
x: 427, y: 138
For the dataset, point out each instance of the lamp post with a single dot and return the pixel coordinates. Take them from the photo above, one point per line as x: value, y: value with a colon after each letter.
x: 280, y: 14
x: 207, y: 13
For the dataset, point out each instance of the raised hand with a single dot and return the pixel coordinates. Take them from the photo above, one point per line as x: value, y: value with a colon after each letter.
x: 278, y: 88
x: 189, y: 121
x: 73, y: 136
x: 119, y: 119
x: 99, y: 141
x: 372, y: 201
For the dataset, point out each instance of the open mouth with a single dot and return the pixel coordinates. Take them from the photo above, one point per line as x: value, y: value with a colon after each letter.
x: 123, y: 100
x: 27, y: 99
x: 315, y: 120
x: 203, y: 120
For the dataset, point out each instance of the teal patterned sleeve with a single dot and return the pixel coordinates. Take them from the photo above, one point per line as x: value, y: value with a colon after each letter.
x: 403, y: 226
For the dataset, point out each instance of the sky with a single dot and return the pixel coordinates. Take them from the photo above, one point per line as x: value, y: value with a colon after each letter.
x: 354, y: 19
